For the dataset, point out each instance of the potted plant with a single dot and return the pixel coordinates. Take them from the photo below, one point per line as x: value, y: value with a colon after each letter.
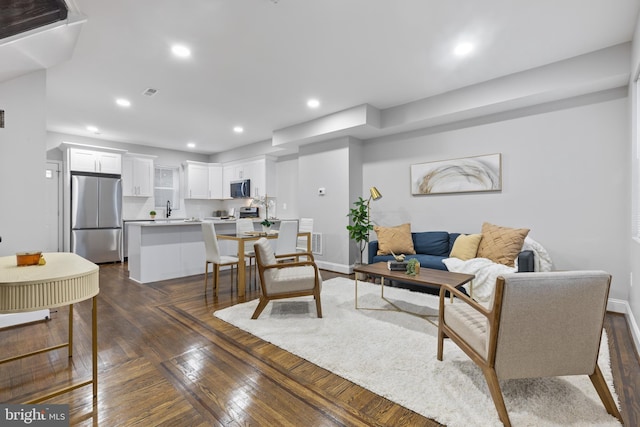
x: 413, y: 267
x: 264, y: 202
x: 266, y: 224
x: 152, y: 214
x: 361, y: 224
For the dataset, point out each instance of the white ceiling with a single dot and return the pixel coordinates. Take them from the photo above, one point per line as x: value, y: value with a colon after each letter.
x: 255, y: 63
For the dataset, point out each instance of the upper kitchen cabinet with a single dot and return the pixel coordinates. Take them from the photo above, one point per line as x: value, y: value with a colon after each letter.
x: 261, y: 172
x: 215, y: 181
x: 203, y: 180
x: 197, y: 180
x: 137, y: 175
x: 85, y: 160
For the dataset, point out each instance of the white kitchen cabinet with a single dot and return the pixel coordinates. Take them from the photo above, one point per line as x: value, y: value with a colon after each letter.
x: 197, y: 180
x: 255, y: 171
x: 215, y: 181
x: 261, y: 172
x: 203, y: 180
x: 83, y: 160
x: 137, y: 176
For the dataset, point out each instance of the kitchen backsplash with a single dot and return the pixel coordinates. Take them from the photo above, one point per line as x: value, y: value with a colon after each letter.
x: 139, y: 207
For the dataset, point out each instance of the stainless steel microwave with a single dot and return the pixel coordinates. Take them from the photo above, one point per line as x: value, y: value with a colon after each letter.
x: 241, y: 188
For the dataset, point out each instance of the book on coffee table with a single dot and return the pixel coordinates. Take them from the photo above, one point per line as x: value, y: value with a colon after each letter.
x: 397, y: 266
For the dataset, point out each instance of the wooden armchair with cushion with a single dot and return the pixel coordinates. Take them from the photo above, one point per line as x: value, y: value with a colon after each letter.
x: 285, y: 280
x: 537, y: 325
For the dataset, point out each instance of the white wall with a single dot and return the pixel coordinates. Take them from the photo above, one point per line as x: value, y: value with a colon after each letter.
x: 287, y: 187
x: 22, y: 164
x: 634, y: 290
x: 566, y: 176
x: 328, y: 165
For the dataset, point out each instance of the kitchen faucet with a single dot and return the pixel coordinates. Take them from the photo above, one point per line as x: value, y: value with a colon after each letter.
x: 168, y: 208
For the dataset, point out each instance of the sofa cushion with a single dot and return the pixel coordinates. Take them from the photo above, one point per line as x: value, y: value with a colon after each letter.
x: 429, y: 261
x: 501, y: 244
x: 466, y: 246
x: 396, y: 239
x: 426, y: 261
x: 432, y: 243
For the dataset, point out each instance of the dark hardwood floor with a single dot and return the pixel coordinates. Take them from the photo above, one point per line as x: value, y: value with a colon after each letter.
x: 165, y: 360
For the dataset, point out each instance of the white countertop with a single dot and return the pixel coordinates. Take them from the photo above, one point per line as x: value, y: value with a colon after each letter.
x: 162, y: 222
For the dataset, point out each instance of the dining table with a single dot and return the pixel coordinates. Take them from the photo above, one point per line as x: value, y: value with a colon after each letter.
x: 242, y: 239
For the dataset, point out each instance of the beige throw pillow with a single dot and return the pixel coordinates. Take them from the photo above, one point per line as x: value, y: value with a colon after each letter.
x: 501, y: 244
x: 466, y: 246
x: 396, y: 239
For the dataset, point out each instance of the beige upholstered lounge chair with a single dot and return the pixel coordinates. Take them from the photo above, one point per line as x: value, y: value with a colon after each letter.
x: 285, y: 280
x: 537, y: 325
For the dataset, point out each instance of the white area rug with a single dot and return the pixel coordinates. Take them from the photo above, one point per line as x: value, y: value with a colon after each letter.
x: 394, y: 355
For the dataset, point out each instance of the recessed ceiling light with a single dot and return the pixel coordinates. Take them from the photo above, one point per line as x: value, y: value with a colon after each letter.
x: 238, y: 129
x: 463, y: 49
x: 181, y: 50
x: 123, y: 102
x: 313, y: 103
x: 92, y: 129
x: 191, y: 145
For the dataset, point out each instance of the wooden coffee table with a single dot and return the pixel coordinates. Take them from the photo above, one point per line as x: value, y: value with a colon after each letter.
x: 427, y: 276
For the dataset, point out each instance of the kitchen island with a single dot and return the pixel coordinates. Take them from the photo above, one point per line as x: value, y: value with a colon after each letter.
x: 168, y: 249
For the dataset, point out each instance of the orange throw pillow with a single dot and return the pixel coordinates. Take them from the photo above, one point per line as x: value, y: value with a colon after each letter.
x: 501, y: 244
x: 396, y: 239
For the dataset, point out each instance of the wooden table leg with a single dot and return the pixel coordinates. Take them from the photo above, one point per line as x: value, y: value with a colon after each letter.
x: 241, y: 272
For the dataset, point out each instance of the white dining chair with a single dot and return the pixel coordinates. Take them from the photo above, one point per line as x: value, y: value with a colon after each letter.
x: 287, y: 238
x: 213, y: 256
x: 306, y: 226
x: 244, y: 226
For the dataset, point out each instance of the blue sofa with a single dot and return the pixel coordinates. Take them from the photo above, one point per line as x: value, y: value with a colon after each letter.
x: 433, y: 246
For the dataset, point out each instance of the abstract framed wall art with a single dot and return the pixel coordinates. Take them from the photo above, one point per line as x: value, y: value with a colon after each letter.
x: 469, y: 174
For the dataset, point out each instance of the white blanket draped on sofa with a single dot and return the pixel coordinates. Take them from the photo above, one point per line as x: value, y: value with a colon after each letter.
x: 487, y: 271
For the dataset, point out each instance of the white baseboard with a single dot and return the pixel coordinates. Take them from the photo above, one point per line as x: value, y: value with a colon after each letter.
x: 331, y: 266
x: 618, y: 306
x: 20, y: 318
x: 622, y: 306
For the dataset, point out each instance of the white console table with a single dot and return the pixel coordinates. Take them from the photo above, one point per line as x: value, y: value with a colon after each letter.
x: 66, y: 279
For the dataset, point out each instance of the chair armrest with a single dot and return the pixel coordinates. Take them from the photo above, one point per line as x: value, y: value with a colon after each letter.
x: 526, y: 262
x: 291, y: 264
x: 463, y: 298
x: 309, y: 255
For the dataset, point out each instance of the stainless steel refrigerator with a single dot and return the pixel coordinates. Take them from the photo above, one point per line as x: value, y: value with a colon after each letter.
x: 96, y: 217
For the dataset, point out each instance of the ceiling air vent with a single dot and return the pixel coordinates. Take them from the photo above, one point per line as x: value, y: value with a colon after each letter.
x: 150, y: 91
